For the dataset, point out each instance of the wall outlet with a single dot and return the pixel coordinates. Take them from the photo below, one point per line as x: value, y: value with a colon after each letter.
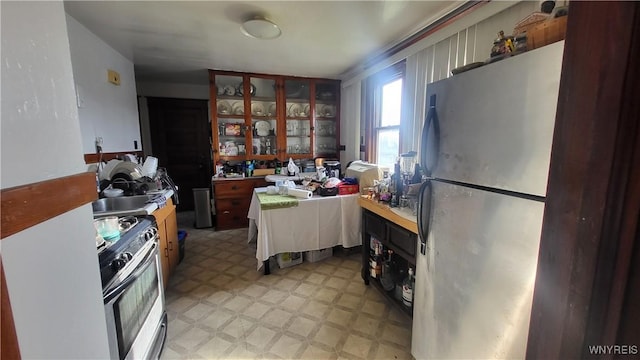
x: 113, y: 77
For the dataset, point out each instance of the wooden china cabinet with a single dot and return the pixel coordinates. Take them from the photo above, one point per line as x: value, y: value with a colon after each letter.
x: 263, y: 117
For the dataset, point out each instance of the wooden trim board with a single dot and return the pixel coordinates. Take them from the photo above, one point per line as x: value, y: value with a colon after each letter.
x: 27, y: 205
x: 390, y: 214
x: 94, y: 158
x: 9, y: 347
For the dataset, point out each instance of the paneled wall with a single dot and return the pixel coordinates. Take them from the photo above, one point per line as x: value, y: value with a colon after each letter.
x: 473, y: 43
x: 435, y: 62
x: 465, y: 41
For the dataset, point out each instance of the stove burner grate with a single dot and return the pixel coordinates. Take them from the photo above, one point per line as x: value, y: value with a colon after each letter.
x: 126, y: 223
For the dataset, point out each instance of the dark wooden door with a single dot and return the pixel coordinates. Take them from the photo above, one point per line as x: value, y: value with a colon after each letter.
x: 180, y: 134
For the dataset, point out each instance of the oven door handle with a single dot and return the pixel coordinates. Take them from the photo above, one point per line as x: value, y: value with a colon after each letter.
x: 144, y: 264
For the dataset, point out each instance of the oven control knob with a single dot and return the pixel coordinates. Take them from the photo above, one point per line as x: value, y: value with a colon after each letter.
x: 149, y: 234
x: 118, y: 264
x: 121, y: 261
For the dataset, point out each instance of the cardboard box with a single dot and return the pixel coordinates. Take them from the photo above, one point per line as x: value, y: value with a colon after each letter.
x: 317, y: 255
x: 289, y: 259
x: 260, y: 172
x: 344, y: 189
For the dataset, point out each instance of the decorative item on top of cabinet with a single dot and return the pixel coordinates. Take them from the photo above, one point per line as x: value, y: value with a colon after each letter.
x: 273, y: 116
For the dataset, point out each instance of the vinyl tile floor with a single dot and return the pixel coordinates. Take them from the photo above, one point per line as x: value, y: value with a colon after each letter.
x: 221, y: 307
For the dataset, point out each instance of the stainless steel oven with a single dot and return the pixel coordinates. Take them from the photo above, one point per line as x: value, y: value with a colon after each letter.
x: 134, y: 295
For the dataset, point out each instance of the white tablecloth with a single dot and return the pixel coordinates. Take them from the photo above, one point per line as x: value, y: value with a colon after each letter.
x: 316, y: 223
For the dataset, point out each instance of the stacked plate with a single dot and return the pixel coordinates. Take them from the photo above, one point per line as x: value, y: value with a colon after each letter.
x: 294, y: 110
x: 257, y: 109
x: 224, y: 108
x: 238, y: 108
x: 262, y: 128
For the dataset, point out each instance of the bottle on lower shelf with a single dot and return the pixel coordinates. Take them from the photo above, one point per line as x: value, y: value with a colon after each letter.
x: 387, y: 279
x: 375, y: 259
x: 407, y: 289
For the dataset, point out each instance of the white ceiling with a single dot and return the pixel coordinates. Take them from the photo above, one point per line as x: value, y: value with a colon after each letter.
x: 176, y: 41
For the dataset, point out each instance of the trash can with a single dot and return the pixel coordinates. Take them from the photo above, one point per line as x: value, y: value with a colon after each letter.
x: 182, y: 236
x: 202, y: 206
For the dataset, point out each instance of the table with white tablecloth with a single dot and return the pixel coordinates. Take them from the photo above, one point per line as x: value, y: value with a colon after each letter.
x: 314, y: 224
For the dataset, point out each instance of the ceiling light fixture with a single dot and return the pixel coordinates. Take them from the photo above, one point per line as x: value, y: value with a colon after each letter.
x: 260, y: 28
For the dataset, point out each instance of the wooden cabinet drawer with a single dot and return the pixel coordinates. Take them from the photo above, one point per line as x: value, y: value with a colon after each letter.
x: 402, y: 239
x: 232, y: 201
x: 231, y: 219
x: 375, y: 225
x: 233, y: 189
x: 231, y: 204
x: 237, y: 188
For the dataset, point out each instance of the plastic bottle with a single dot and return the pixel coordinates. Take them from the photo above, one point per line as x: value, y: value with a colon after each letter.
x: 249, y: 168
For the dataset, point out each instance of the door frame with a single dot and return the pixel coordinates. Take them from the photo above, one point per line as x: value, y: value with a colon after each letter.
x: 588, y: 275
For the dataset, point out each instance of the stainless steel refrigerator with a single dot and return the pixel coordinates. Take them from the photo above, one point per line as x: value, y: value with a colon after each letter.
x: 486, y: 147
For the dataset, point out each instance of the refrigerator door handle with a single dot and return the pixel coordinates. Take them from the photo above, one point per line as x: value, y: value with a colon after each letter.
x: 424, y: 214
x: 429, y: 154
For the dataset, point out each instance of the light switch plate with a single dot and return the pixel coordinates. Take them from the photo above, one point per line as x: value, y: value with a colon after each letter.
x: 113, y: 77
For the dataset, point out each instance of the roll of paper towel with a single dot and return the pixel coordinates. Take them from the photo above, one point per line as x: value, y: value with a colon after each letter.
x: 299, y: 193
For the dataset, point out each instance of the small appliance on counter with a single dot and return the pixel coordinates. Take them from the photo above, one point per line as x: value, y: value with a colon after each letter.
x: 365, y: 173
x: 333, y: 168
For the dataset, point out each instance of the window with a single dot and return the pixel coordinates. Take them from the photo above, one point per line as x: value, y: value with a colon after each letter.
x: 383, y: 114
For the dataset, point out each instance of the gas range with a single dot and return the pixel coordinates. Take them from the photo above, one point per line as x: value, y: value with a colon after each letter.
x: 132, y: 291
x: 135, y: 233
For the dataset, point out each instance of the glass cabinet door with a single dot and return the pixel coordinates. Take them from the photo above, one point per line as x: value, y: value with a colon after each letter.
x: 231, y: 128
x: 263, y: 113
x: 326, y: 126
x: 298, y: 114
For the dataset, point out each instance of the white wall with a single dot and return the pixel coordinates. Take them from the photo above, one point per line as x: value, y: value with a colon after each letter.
x: 350, y: 124
x: 107, y: 110
x: 173, y: 90
x: 51, y: 269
